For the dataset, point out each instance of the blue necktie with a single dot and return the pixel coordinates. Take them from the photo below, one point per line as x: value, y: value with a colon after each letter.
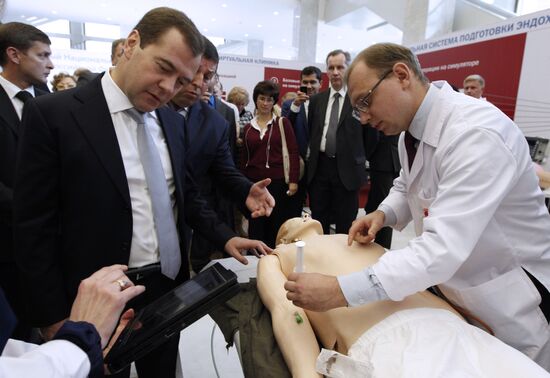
x: 165, y: 224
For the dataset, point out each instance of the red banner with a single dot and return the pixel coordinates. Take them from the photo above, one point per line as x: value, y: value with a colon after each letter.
x: 498, y: 61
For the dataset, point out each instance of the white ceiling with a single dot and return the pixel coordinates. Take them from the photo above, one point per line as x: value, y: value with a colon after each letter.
x: 271, y: 21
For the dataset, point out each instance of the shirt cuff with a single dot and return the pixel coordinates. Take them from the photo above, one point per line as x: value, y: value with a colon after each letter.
x: 85, y: 336
x: 294, y: 108
x: 390, y: 218
x: 363, y: 287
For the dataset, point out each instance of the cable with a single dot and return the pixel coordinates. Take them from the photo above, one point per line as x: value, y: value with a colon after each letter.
x: 212, y: 351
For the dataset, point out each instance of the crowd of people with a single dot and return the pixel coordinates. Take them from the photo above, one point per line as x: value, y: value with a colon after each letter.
x: 147, y: 164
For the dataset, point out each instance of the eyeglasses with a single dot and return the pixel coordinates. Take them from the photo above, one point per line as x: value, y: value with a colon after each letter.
x: 363, y: 104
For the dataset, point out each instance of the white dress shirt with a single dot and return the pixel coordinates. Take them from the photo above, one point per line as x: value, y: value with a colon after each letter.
x: 11, y: 90
x: 144, y: 249
x: 342, y: 92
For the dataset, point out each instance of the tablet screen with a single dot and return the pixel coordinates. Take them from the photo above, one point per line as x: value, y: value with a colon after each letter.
x: 172, y: 312
x: 174, y: 303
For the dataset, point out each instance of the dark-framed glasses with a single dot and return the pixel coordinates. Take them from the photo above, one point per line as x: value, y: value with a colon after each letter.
x: 363, y: 103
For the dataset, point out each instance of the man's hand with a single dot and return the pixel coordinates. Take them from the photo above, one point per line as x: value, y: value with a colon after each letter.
x: 301, y: 97
x: 206, y: 96
x: 364, y: 229
x: 235, y: 245
x: 292, y: 189
x: 126, y: 318
x: 314, y: 291
x: 259, y: 201
x: 101, y: 299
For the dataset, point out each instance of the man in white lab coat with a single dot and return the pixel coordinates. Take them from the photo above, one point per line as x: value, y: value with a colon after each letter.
x: 470, y: 188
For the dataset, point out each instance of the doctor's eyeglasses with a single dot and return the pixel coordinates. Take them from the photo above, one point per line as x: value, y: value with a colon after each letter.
x: 363, y: 103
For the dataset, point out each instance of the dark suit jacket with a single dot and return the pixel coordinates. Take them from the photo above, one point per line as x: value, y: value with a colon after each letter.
x: 385, y: 157
x: 229, y: 115
x: 9, y: 135
x: 209, y: 157
x: 72, y: 209
x: 384, y: 168
x: 353, y: 142
x: 299, y: 124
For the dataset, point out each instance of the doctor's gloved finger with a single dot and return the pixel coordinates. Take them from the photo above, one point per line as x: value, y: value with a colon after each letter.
x: 290, y: 285
x: 373, y: 229
x: 356, y: 228
x: 363, y: 239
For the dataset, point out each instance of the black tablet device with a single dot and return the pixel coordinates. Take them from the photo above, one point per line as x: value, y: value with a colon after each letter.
x: 168, y: 315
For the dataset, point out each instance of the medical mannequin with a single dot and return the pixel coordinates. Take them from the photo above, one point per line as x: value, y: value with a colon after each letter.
x: 297, y: 331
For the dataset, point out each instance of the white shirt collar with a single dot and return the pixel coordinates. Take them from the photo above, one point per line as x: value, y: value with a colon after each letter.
x: 116, y: 99
x: 342, y: 92
x: 254, y: 124
x: 418, y: 124
x: 12, y: 89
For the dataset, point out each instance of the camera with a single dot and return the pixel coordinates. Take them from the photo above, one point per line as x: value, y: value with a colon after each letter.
x: 303, y: 89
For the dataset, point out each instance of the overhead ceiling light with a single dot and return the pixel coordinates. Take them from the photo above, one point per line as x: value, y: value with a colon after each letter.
x: 109, y: 19
x: 275, y: 13
x: 284, y: 39
x: 54, y: 12
x: 213, y: 19
x: 224, y: 5
x: 339, y: 37
x: 40, y: 20
x: 297, y: 16
x: 259, y: 25
x: 32, y: 18
x: 246, y: 35
x: 103, y: 5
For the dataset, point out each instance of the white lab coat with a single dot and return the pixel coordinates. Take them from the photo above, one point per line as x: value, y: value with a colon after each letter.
x: 479, y: 217
x: 54, y: 359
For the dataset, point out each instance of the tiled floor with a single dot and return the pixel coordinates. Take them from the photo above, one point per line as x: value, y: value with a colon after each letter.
x: 199, y: 349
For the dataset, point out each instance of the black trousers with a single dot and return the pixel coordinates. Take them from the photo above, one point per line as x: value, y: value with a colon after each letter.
x: 266, y: 228
x: 201, y: 248
x: 380, y: 185
x: 10, y: 281
x: 329, y: 200
x: 300, y: 199
x: 161, y: 362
